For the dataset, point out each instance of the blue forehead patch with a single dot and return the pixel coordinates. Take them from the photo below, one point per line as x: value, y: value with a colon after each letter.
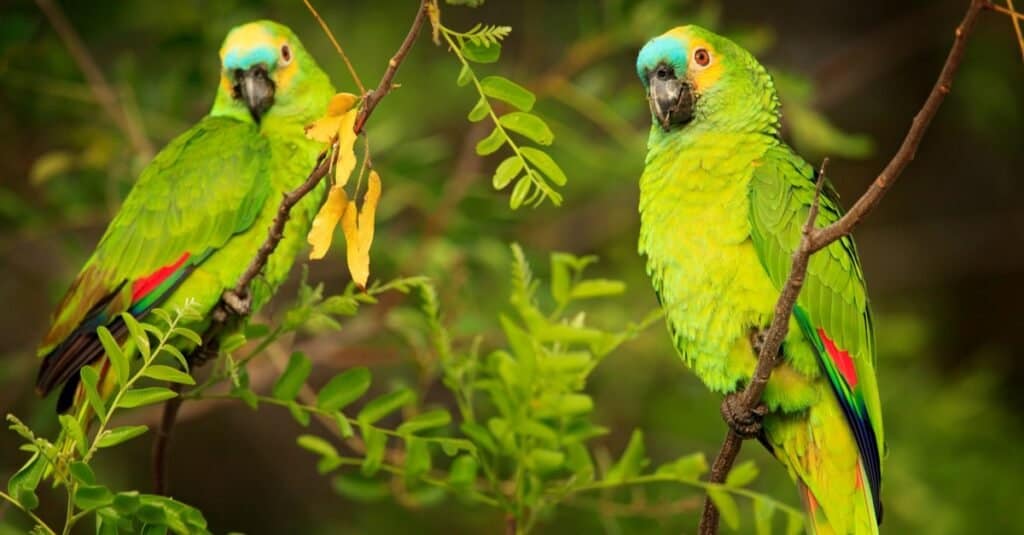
x: 665, y: 48
x: 245, y: 59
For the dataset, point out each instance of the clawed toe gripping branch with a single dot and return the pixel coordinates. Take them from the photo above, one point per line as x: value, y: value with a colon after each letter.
x: 236, y: 303
x: 741, y: 409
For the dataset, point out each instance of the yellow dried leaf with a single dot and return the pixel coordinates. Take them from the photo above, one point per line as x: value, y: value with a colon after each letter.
x: 369, y: 211
x: 357, y: 225
x: 322, y: 231
x: 346, y: 161
x: 358, y: 264
x: 327, y: 127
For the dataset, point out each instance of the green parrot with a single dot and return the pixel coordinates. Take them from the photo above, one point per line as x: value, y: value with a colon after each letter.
x: 722, y: 203
x: 200, y: 210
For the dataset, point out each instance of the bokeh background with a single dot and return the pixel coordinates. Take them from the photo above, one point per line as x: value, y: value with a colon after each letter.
x: 943, y: 254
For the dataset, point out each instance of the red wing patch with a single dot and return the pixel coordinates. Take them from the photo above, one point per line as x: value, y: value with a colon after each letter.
x: 842, y: 359
x: 146, y: 284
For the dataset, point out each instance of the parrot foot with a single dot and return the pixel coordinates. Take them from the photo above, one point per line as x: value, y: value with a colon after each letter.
x: 239, y: 305
x: 745, y: 422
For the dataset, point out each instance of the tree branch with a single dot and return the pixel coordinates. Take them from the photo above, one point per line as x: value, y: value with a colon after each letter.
x: 814, y: 240
x: 233, y: 304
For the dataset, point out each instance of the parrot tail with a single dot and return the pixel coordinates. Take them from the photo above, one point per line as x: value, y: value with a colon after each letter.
x: 821, y: 455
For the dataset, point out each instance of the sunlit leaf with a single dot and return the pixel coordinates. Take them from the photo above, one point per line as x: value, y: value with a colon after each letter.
x: 480, y: 53
x: 89, y: 497
x: 375, y: 441
x: 727, y: 507
x: 519, y: 192
x: 742, y: 474
x: 358, y: 227
x: 491, y: 143
x: 506, y: 171
x: 508, y: 91
x: 545, y: 163
x: 118, y: 435
x: 167, y: 373
x: 529, y: 125
x: 386, y: 404
x: 632, y: 461
x: 343, y: 389
x: 417, y: 459
x: 424, y: 421
x: 481, y: 110
x: 763, y: 513
x: 293, y: 377
x: 117, y: 358
x: 138, y: 397
x: 326, y: 128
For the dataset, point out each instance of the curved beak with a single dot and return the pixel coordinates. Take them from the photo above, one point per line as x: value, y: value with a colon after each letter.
x: 671, y: 101
x: 254, y: 87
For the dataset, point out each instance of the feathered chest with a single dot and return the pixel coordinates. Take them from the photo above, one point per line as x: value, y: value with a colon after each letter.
x: 695, y: 233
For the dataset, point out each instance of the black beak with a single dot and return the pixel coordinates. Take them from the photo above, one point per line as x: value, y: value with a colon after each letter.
x: 671, y: 99
x: 256, y: 89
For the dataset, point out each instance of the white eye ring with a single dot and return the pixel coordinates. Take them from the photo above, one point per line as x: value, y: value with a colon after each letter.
x: 286, y: 54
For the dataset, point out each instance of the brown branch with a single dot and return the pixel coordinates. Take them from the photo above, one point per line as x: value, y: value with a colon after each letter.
x: 814, y: 240
x: 234, y: 303
x: 98, y: 83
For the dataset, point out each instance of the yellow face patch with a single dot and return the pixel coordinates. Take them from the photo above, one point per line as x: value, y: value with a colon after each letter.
x: 253, y: 36
x: 702, y: 77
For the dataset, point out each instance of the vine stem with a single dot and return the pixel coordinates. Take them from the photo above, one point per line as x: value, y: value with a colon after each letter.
x: 228, y: 309
x: 813, y: 240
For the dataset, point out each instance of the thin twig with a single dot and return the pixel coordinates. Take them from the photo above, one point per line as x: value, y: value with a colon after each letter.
x: 341, y: 51
x: 98, y: 83
x: 384, y: 87
x: 227, y: 310
x: 814, y: 240
x: 1014, y: 20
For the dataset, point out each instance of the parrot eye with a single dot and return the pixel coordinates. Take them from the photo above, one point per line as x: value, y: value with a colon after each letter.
x: 702, y: 57
x: 286, y: 54
x: 664, y: 72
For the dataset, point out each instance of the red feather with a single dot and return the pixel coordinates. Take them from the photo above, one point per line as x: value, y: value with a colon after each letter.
x: 146, y: 284
x: 842, y: 359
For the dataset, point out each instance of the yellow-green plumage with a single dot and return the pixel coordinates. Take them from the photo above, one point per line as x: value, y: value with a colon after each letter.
x: 201, y: 209
x: 722, y: 201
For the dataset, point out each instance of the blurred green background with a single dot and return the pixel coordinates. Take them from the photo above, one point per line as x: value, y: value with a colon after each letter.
x: 943, y: 254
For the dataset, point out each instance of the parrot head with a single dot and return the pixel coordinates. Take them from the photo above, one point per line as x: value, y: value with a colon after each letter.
x: 264, y: 70
x: 693, y: 76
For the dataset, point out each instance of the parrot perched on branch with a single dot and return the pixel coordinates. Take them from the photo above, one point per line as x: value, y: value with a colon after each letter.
x: 200, y: 210
x: 723, y: 201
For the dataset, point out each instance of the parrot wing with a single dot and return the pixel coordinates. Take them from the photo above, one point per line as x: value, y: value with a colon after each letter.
x: 832, y: 309
x: 207, y: 185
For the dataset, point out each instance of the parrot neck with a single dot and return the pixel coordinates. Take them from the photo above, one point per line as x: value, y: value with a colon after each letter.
x: 695, y: 233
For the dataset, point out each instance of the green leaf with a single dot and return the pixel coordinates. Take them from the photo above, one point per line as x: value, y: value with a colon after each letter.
x: 481, y: 110
x: 138, y: 397
x: 529, y: 125
x: 127, y: 502
x: 27, y: 478
x: 491, y: 143
x: 167, y: 373
x: 74, y: 430
x: 189, y: 335
x: 462, y: 474
x: 82, y: 473
x: 425, y: 420
x: 506, y: 171
x: 89, y: 497
x: 343, y: 389
x: 519, y: 193
x: 479, y: 435
x: 480, y: 53
x: 375, y: 441
x: 597, y: 288
x: 344, y: 427
x: 726, y: 506
x: 118, y: 435
x: 508, y: 91
x: 360, y: 488
x: 293, y: 377
x: 763, y: 513
x: 316, y: 445
x: 89, y: 379
x: 118, y: 360
x: 465, y: 76
x: 299, y: 413
x: 542, y: 161
x: 632, y: 462
x: 384, y: 405
x: 232, y: 342
x: 417, y: 459
x: 138, y: 334
x: 686, y: 468
x: 178, y: 356
x: 545, y: 460
x: 741, y: 474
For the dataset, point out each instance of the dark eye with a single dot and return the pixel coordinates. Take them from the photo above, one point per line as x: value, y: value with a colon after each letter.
x: 702, y: 57
x: 664, y: 73
x: 286, y: 54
